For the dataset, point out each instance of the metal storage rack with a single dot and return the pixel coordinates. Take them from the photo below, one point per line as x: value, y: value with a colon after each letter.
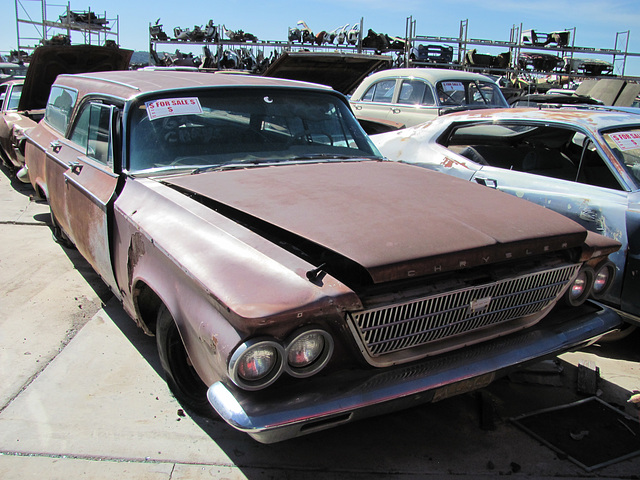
x: 618, y: 55
x: 259, y: 44
x: 38, y: 25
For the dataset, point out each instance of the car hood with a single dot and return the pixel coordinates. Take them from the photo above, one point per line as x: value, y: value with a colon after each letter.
x: 610, y: 91
x: 49, y: 61
x: 341, y: 71
x: 374, y: 222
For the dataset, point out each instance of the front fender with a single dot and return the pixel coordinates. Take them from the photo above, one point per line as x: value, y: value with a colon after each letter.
x: 221, y: 282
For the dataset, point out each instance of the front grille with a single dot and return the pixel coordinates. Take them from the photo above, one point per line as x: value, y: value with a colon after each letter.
x: 419, y: 322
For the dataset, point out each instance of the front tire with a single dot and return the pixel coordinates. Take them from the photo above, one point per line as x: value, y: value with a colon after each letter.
x: 182, y: 378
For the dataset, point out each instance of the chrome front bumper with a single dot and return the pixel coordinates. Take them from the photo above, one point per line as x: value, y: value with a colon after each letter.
x: 315, y: 404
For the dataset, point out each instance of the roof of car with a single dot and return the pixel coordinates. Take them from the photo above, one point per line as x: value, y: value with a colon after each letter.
x: 431, y: 74
x: 588, y: 118
x: 127, y: 84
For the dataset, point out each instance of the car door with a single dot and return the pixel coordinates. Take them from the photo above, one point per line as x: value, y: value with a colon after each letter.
x: 377, y: 101
x: 47, y: 149
x: 90, y: 183
x: 598, y: 203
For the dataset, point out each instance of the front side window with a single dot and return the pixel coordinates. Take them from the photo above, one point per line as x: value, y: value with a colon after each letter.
x: 59, y: 106
x: 554, y: 151
x: 92, y: 132
x: 221, y: 127
x: 415, y: 92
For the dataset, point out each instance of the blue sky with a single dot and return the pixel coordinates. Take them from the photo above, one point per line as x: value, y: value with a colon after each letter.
x: 596, y: 22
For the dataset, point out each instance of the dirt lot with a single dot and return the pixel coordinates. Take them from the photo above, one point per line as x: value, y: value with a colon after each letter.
x: 82, y: 395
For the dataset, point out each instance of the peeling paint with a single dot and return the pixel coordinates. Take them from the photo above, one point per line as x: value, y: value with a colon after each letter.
x: 136, y: 251
x: 451, y: 162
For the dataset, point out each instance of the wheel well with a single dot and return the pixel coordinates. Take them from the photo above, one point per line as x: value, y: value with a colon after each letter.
x: 147, y: 304
x: 40, y: 193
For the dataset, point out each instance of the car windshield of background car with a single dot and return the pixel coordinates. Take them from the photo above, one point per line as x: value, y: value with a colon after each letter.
x: 625, y: 144
x: 221, y: 127
x: 463, y: 92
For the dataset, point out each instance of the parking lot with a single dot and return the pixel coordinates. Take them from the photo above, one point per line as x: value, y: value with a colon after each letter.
x: 82, y: 394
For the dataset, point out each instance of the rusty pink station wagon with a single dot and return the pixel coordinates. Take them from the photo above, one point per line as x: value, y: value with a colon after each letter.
x: 293, y: 278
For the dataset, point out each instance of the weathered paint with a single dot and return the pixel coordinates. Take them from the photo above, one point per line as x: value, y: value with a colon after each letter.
x: 229, y: 252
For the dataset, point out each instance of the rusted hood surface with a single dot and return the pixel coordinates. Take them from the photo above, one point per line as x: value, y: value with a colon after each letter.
x: 394, y: 220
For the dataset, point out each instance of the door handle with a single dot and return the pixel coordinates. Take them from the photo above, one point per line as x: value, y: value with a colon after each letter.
x: 55, y: 146
x: 487, y: 182
x: 357, y: 107
x: 395, y: 110
x: 76, y: 167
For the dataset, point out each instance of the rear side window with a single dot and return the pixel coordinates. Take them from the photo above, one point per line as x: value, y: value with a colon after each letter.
x: 14, y: 97
x: 59, y: 106
x: 381, y: 92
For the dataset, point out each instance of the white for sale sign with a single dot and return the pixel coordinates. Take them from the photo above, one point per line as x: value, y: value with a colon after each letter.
x: 626, y: 140
x: 168, y: 107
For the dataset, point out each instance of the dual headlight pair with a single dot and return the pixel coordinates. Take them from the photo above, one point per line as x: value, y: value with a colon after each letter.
x: 590, y: 282
x: 259, y: 362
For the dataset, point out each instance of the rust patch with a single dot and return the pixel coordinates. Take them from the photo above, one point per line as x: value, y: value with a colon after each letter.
x: 136, y: 250
x: 451, y: 162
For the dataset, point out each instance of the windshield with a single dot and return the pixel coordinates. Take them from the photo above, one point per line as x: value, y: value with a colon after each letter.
x: 625, y: 144
x: 226, y: 127
x: 463, y: 93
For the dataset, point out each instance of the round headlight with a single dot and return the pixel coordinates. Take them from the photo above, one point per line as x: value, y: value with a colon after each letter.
x: 256, y: 364
x: 580, y: 289
x: 603, y: 279
x: 305, y: 349
x: 308, y: 352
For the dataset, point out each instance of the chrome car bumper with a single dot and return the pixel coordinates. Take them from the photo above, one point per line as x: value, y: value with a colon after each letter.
x: 297, y: 409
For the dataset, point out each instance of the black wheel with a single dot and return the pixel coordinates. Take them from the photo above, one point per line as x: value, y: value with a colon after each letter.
x: 58, y: 235
x: 180, y: 375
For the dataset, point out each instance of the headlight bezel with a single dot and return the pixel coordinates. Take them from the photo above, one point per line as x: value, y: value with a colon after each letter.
x: 239, y: 358
x: 598, y: 293
x: 319, y: 362
x: 586, y: 274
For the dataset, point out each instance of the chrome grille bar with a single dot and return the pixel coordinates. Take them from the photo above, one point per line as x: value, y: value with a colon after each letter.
x: 401, y: 326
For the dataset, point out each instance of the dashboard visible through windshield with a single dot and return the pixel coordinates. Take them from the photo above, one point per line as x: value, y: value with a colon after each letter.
x: 202, y: 129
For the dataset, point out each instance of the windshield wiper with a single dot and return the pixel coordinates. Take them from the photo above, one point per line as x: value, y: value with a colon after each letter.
x: 236, y: 164
x: 332, y: 156
x: 165, y: 170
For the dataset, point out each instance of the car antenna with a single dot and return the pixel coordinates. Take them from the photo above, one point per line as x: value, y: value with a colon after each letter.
x: 313, y: 275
